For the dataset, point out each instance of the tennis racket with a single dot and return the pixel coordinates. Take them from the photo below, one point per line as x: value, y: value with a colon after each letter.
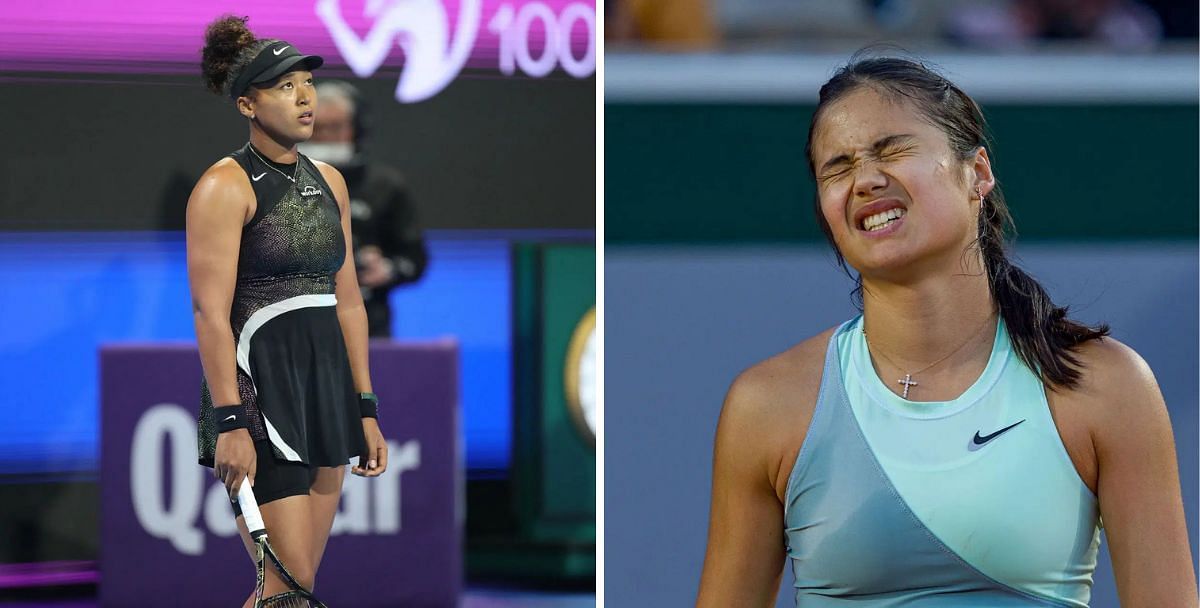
x: 297, y: 596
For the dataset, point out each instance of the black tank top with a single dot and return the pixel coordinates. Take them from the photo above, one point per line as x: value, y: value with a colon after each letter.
x: 295, y: 235
x: 293, y: 246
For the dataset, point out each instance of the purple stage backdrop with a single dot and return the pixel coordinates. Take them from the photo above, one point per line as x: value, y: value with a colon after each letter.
x: 167, y: 525
x: 434, y: 40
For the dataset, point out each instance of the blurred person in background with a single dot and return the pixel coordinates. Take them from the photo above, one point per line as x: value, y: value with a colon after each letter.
x: 687, y: 24
x: 389, y: 248
x: 986, y: 24
x: 1114, y: 24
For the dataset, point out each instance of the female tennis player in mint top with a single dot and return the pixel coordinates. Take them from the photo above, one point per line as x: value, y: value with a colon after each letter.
x: 286, y: 399
x: 958, y: 443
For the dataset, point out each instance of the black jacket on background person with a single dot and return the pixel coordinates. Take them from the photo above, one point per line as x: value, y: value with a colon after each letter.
x: 383, y: 215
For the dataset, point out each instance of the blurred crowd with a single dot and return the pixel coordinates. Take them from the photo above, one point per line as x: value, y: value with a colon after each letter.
x: 1116, y: 25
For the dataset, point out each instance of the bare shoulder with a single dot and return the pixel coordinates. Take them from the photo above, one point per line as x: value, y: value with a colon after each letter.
x: 335, y: 179
x: 1115, y: 377
x: 330, y: 173
x: 783, y: 379
x: 222, y: 188
x: 224, y: 173
x: 1118, y: 391
x: 770, y: 404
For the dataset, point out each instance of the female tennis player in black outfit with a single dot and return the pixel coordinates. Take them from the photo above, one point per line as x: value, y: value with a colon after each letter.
x: 280, y: 323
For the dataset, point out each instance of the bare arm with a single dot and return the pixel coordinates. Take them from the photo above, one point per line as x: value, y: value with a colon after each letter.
x: 352, y: 316
x: 1138, y: 487
x: 216, y: 212
x: 350, y: 310
x: 744, y: 560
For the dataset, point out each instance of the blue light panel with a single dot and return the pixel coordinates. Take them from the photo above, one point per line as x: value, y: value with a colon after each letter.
x: 68, y: 293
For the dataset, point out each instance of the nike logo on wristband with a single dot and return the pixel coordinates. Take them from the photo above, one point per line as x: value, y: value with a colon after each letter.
x: 231, y: 417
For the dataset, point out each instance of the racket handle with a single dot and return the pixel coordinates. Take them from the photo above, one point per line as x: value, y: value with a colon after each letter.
x: 254, y: 521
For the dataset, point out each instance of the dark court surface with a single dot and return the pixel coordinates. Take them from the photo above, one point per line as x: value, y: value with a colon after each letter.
x: 473, y: 598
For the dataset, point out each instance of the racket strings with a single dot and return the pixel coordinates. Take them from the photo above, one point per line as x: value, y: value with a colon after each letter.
x: 287, y: 599
x: 297, y: 597
x: 260, y: 572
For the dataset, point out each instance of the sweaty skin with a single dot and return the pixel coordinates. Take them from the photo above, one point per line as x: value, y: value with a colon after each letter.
x: 921, y: 294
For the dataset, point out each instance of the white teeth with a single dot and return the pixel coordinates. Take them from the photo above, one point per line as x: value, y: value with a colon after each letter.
x: 882, y: 219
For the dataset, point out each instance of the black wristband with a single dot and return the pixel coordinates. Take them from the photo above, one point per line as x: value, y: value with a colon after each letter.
x: 368, y: 405
x: 230, y: 417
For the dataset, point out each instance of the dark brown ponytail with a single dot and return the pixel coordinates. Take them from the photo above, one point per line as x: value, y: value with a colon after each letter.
x: 228, y: 47
x: 1042, y: 335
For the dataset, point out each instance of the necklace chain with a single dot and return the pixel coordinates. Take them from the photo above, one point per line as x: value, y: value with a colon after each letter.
x: 907, y: 381
x: 295, y: 172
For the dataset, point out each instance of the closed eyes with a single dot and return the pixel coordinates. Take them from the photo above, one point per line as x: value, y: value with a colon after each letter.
x: 830, y: 175
x: 885, y: 149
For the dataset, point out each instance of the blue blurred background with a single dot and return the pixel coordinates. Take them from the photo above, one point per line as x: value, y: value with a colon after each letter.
x: 80, y: 290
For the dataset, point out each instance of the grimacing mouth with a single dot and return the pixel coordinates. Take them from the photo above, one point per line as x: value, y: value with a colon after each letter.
x: 878, y: 213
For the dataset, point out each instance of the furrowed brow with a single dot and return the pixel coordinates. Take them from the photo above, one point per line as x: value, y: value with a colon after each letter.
x: 879, y: 145
x: 833, y: 162
x: 892, y: 140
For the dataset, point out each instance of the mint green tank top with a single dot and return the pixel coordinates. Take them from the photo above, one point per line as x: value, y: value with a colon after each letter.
x: 969, y: 502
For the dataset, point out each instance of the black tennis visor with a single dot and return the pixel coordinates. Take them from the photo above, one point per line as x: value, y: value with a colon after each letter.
x: 271, y: 63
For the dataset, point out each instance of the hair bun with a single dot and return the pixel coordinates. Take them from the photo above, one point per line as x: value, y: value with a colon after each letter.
x: 224, y: 39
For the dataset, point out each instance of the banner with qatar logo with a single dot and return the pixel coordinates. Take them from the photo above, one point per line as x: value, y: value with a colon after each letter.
x: 429, y: 42
x: 167, y: 528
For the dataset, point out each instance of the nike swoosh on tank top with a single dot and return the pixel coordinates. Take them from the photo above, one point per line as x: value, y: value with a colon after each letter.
x: 893, y: 502
x: 293, y: 371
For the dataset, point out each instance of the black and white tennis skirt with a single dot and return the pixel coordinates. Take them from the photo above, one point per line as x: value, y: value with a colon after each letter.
x: 294, y: 369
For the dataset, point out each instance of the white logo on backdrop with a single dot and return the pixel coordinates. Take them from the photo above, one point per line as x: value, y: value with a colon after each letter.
x: 422, y: 29
x: 178, y: 523
x: 513, y: 27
